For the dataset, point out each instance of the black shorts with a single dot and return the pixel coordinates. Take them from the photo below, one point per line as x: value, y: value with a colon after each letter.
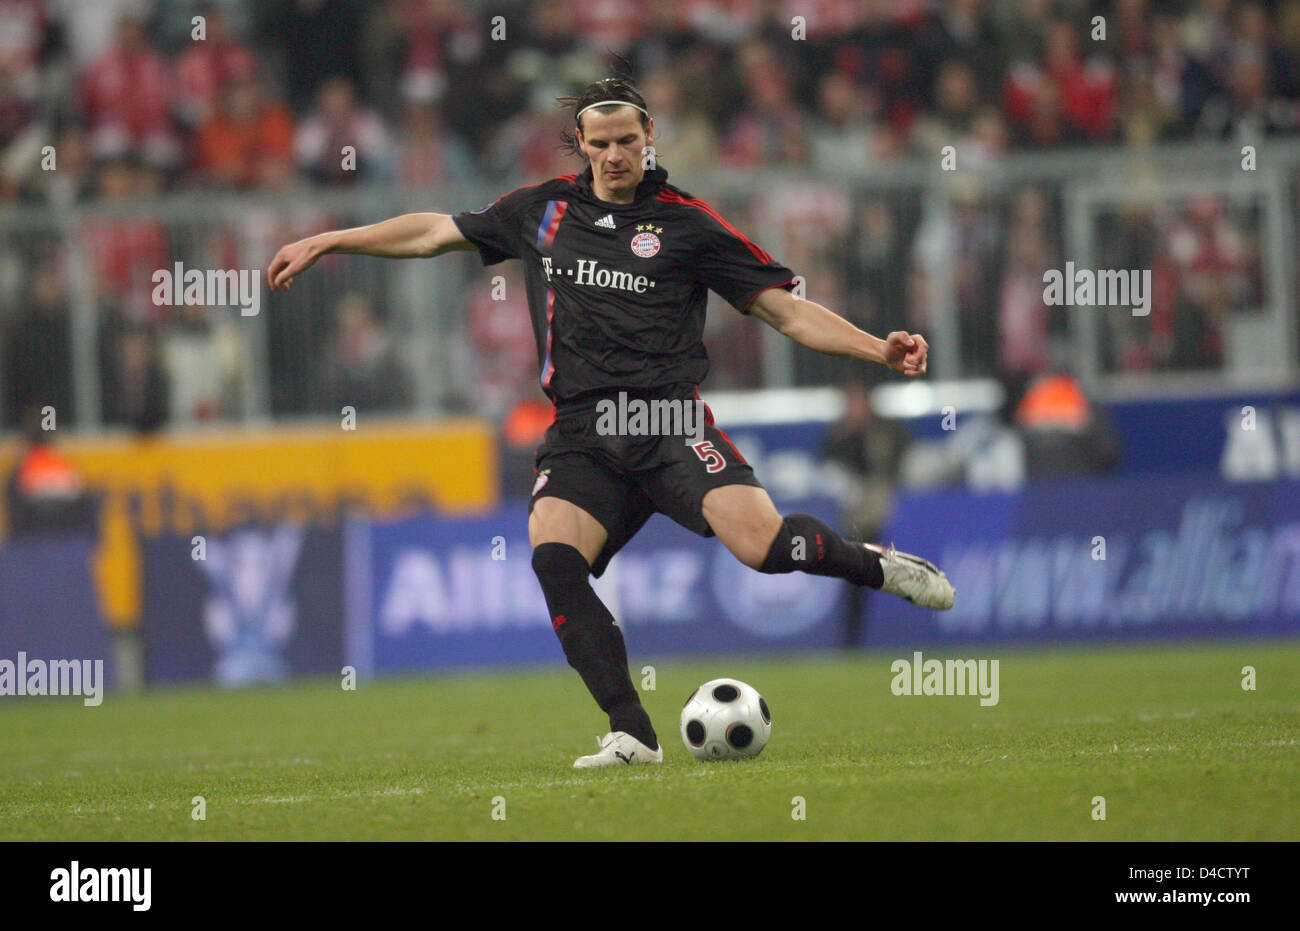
x: 621, y: 476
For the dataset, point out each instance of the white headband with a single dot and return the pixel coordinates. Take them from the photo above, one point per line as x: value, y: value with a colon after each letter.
x: 608, y: 103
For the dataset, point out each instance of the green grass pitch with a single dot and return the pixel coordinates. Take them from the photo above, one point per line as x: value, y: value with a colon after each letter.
x: 1165, y: 734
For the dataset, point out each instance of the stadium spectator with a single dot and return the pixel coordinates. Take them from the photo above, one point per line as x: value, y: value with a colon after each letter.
x: 1063, y: 97
x: 864, y: 452
x: 21, y: 134
x: 45, y: 492
x: 1065, y: 434
x: 609, y: 25
x: 207, y: 68
x: 89, y: 28
x: 522, y: 430
x: 74, y: 181
x: 25, y: 39
x: 724, y: 21
x: 963, y: 247
x: 527, y: 143
x: 342, y: 141
x: 428, y: 155
x: 124, y: 252
x: 317, y: 41
x: 956, y: 106
x: 1024, y: 322
x: 419, y: 32
x: 987, y: 142
x: 833, y: 18
x: 963, y: 29
x: 1253, y: 35
x: 683, y: 131
x: 361, y: 368
x: 135, y: 392
x: 173, y: 23
x: 769, y: 115
x: 503, y: 353
x: 843, y: 133
x: 1180, y: 83
x: 1217, y: 271
x: 248, y: 142
x: 204, y: 362
x: 873, y: 251
x: 126, y: 98
x: 37, y: 360
x: 735, y: 350
x: 1248, y: 108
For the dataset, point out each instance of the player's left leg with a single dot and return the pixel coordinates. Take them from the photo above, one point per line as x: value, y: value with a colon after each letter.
x: 747, y: 522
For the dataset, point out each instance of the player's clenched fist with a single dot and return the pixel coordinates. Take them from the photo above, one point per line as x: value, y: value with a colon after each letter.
x: 906, y: 352
x: 291, y: 260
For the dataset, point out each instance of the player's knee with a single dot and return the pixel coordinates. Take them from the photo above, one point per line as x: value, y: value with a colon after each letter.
x: 559, y: 564
x: 760, y: 557
x: 753, y: 545
x: 751, y: 555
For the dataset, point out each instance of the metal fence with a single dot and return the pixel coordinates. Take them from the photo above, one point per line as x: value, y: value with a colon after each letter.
x: 959, y: 255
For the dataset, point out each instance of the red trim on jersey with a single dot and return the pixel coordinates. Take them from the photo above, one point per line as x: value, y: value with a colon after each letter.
x: 538, y: 184
x: 750, y: 302
x: 671, y: 197
x: 708, y: 420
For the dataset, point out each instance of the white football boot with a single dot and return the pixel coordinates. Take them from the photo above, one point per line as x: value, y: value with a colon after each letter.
x: 911, y: 577
x: 617, y: 749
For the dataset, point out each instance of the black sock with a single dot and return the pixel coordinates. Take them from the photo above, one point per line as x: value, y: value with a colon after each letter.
x: 805, y: 544
x: 592, y: 642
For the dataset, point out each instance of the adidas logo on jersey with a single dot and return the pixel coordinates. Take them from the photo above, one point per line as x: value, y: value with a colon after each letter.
x: 606, y: 222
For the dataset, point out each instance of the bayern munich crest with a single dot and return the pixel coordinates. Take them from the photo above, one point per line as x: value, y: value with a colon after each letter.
x: 646, y: 244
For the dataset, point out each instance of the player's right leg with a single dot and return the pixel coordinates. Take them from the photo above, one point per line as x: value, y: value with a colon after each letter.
x: 567, y: 541
x: 708, y: 487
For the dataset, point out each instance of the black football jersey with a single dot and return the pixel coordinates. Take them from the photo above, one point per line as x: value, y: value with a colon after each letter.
x: 617, y: 292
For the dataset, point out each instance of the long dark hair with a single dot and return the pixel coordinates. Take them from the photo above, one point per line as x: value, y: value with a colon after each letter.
x: 615, y: 90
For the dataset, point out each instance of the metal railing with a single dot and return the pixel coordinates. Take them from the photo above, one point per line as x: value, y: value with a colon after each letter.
x: 957, y: 254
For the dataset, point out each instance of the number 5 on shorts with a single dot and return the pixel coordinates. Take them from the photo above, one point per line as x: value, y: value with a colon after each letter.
x: 713, y: 461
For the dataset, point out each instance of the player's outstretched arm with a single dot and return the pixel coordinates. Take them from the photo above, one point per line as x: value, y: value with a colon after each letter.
x: 410, y: 236
x: 812, y: 325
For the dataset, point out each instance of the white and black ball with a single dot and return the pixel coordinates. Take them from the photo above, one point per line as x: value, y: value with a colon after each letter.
x: 725, y: 719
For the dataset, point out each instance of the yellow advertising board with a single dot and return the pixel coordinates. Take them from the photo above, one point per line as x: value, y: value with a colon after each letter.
x: 209, y: 481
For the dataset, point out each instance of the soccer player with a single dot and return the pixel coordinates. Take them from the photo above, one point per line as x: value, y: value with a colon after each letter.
x: 618, y: 263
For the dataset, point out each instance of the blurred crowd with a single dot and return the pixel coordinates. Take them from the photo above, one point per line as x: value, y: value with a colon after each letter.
x: 429, y: 91
x: 450, y: 93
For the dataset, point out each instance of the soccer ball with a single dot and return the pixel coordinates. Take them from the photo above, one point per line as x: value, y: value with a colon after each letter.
x: 725, y: 719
